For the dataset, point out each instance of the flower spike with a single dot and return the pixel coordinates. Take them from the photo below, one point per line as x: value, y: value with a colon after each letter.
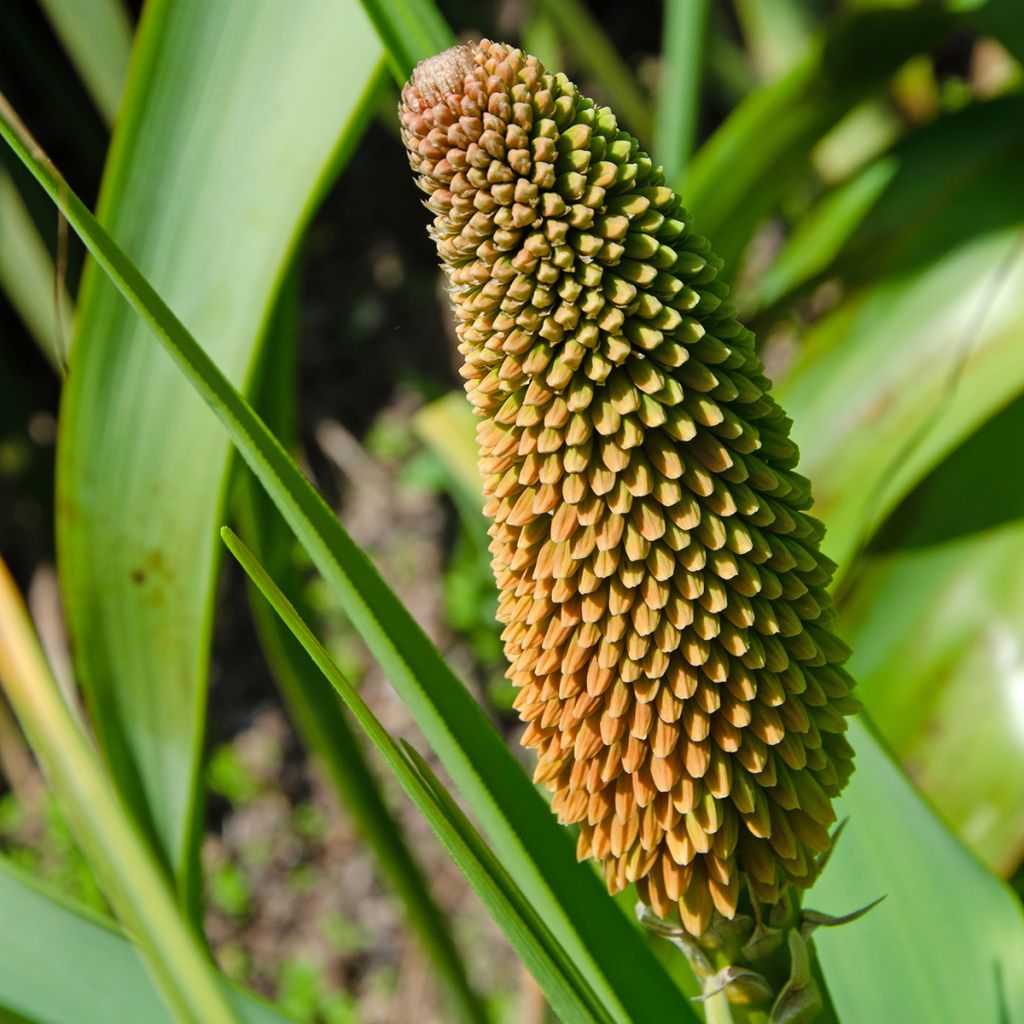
x: 665, y: 602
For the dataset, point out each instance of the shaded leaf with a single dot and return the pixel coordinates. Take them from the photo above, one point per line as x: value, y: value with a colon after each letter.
x: 936, y: 621
x: 926, y: 349
x: 679, y: 83
x: 743, y: 170
x: 555, y: 972
x: 27, y: 275
x: 97, y: 36
x: 315, y: 708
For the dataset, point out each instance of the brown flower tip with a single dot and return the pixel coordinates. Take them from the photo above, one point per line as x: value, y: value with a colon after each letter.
x: 668, y: 620
x: 440, y: 76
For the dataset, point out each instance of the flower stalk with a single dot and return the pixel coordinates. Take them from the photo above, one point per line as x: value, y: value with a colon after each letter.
x: 665, y: 600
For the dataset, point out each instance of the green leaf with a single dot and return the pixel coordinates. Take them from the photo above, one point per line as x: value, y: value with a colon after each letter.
x: 313, y: 707
x: 853, y: 230
x: 596, y: 54
x: 751, y: 162
x: 679, y: 83
x: 935, y: 619
x: 820, y: 236
x: 927, y: 349
x: 568, y: 896
x: 63, y: 964
x: 411, y: 31
x: 97, y: 35
x: 236, y: 116
x: 27, y: 274
x: 448, y: 427
x: 128, y: 871
x: 946, y: 944
x: 775, y: 33
x: 556, y: 973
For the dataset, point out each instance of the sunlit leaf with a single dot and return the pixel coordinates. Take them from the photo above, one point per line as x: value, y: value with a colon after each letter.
x: 946, y: 944
x: 936, y: 621
x: 65, y: 965
x: 926, y: 347
x: 127, y: 869
x: 235, y: 117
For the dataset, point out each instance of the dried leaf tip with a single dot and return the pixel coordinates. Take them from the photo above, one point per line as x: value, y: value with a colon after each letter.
x: 442, y: 75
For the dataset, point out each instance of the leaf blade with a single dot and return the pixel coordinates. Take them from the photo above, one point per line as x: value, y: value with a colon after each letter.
x: 568, y: 994
x: 941, y: 907
x: 130, y: 874
x: 679, y: 88
x: 938, y: 263
x: 748, y: 164
x: 214, y: 88
x: 101, y: 978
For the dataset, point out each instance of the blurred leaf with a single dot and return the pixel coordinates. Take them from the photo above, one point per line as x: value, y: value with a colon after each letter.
x: 540, y: 37
x: 820, y: 235
x: 567, y: 896
x: 935, y: 171
x: 596, y: 54
x: 314, y: 708
x: 946, y: 944
x: 936, y: 622
x: 751, y: 162
x: 928, y: 348
x: 1001, y: 19
x: 938, y: 634
x: 411, y: 31
x: 730, y: 76
x: 679, y: 83
x: 775, y: 32
x: 570, y: 997
x: 448, y: 427
x: 126, y: 867
x: 236, y: 116
x: 27, y: 274
x: 969, y: 493
x: 97, y: 36
x: 63, y: 964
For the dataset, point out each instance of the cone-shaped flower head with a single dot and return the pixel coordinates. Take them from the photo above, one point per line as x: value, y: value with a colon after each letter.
x: 667, y: 619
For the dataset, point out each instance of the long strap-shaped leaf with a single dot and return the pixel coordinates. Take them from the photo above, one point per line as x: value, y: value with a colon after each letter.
x: 235, y: 117
x: 410, y: 30
x: 568, y: 896
x: 64, y: 964
x: 739, y: 174
x: 570, y: 996
x: 129, y: 872
x: 318, y: 715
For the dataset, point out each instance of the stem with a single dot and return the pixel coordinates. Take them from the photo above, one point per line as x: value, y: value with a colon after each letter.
x: 717, y: 1010
x: 828, y: 1013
